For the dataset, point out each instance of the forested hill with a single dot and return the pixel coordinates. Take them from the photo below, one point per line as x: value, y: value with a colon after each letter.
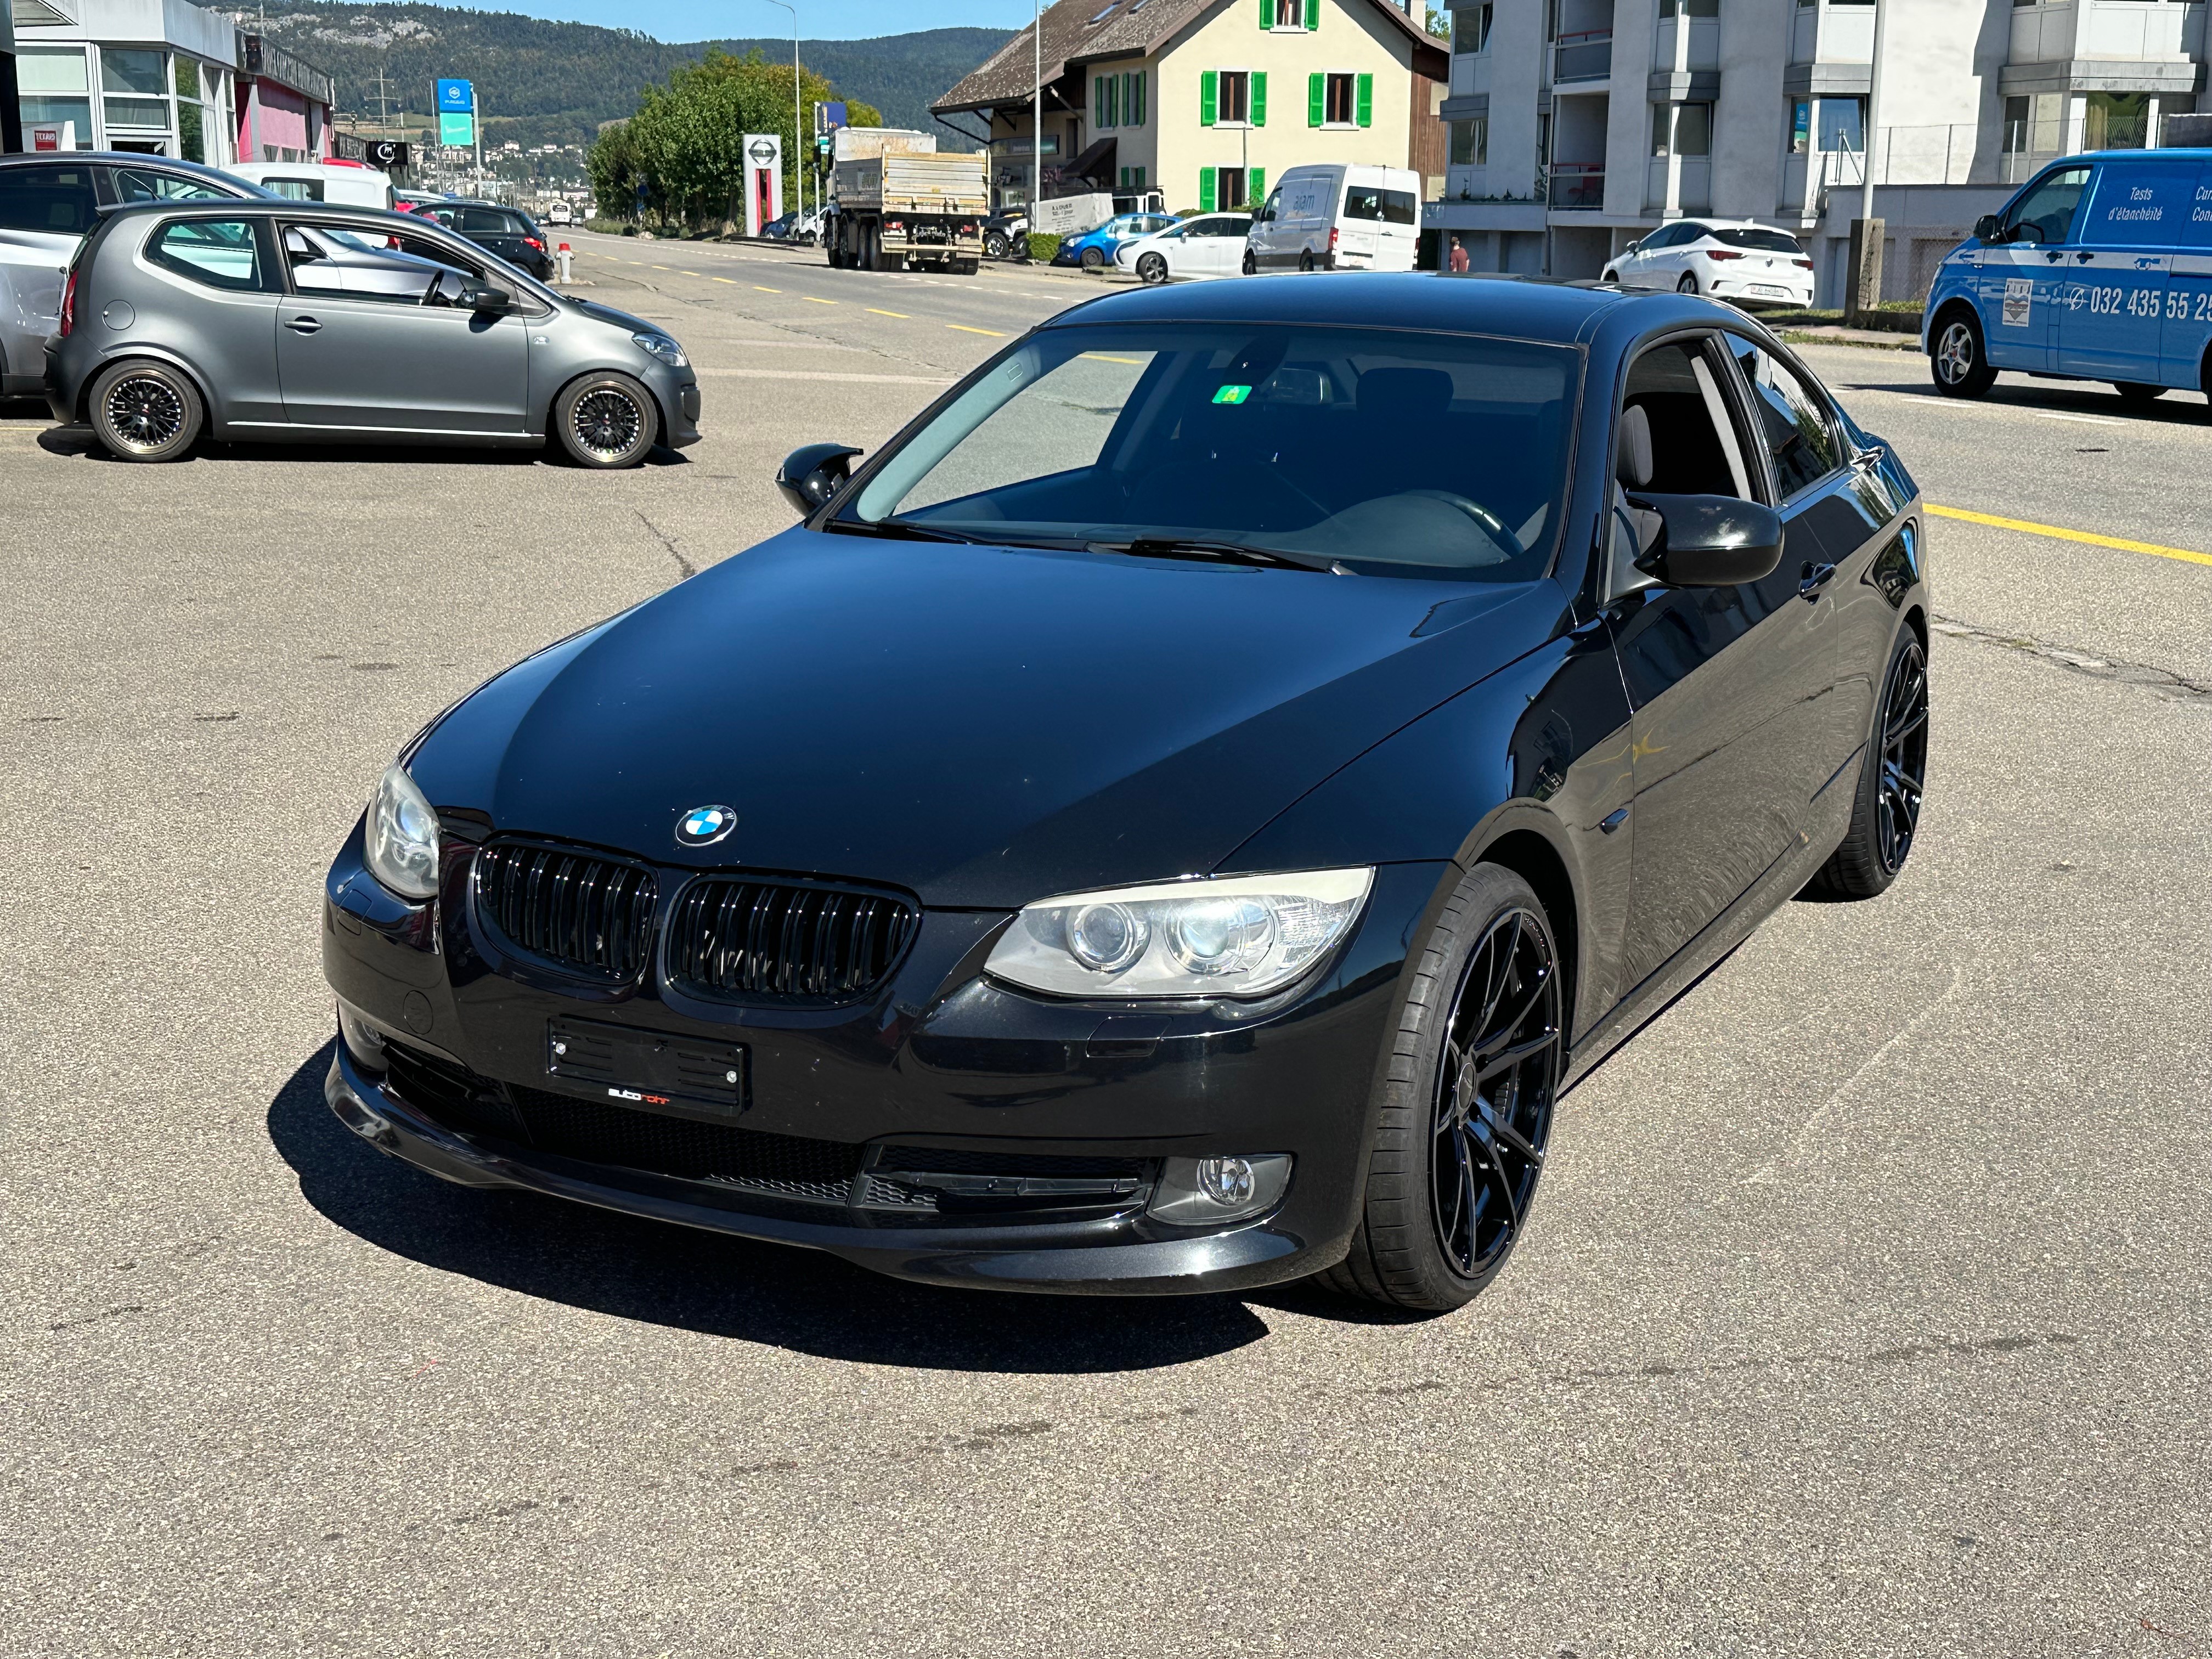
x: 544, y: 83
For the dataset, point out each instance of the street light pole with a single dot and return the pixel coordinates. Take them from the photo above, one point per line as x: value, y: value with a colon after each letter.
x: 797, y: 137
x: 1036, y: 131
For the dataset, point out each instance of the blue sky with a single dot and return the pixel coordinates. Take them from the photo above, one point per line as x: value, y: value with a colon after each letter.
x: 818, y: 19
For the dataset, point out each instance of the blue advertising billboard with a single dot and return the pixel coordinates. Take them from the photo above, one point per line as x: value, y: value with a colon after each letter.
x: 456, y: 97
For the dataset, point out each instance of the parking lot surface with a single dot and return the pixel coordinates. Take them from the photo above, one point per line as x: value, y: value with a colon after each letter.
x: 1867, y: 1308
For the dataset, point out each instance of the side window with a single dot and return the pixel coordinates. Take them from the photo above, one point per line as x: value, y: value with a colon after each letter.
x: 223, y: 254
x: 296, y: 190
x: 58, y: 200
x: 136, y: 185
x: 314, y: 269
x: 1674, y: 437
x: 1799, y: 434
x: 2046, y: 213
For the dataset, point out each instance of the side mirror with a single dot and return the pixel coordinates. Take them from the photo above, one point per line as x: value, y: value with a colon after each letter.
x: 1987, y: 228
x: 495, y: 300
x: 812, y: 473
x: 1633, y: 245
x: 1710, y: 541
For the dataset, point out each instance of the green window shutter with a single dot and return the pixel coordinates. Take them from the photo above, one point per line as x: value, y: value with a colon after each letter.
x: 1205, y: 190
x: 1259, y: 98
x: 1313, y: 15
x: 1316, y: 98
x: 1207, y: 83
x: 1098, y: 101
x: 1366, y: 100
x: 1137, y: 99
x: 1267, y: 14
x: 1255, y: 191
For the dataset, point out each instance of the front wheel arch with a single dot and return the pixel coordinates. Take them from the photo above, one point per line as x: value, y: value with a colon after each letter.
x: 545, y: 410
x: 1531, y: 856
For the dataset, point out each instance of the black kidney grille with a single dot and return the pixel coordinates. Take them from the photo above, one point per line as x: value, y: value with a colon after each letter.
x: 593, y: 914
x: 735, y: 938
x: 595, y: 1132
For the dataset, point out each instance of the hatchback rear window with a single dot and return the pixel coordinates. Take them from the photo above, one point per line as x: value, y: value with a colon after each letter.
x: 1389, y: 207
x: 1758, y: 240
x: 487, y: 222
x: 55, y: 199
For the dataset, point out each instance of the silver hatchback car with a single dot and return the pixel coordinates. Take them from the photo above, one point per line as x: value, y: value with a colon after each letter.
x: 279, y: 321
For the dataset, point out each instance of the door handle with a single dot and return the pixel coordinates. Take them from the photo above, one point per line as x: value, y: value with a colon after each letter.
x: 301, y: 324
x: 2055, y: 255
x: 1816, y: 577
x: 2085, y: 255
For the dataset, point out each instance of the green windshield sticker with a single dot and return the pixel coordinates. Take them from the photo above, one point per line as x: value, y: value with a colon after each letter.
x: 1232, y: 394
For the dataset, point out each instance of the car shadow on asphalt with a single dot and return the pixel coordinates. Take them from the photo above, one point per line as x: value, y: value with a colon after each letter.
x: 2176, y: 409
x: 78, y: 443
x: 774, y: 1295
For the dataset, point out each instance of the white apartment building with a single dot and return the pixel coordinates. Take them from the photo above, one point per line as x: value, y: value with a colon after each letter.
x: 1577, y: 126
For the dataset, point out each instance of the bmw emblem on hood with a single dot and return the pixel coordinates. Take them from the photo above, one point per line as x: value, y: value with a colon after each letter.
x: 702, y: 826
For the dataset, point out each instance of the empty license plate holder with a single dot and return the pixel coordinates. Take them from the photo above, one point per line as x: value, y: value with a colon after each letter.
x: 652, y: 1069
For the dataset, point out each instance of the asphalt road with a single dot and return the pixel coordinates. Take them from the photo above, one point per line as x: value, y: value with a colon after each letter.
x: 1866, y: 1310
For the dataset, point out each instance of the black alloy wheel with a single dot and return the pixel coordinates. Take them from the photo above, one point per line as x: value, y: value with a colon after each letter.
x: 145, y: 412
x: 1956, y: 360
x: 1153, y: 267
x: 605, y: 421
x: 1464, y: 1120
x: 1893, y: 783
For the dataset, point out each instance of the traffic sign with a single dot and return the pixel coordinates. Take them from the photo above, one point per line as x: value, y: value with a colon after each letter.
x: 457, y: 97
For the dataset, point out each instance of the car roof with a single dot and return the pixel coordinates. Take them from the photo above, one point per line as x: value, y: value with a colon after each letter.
x: 2107, y: 157
x: 126, y: 158
x: 1442, y: 301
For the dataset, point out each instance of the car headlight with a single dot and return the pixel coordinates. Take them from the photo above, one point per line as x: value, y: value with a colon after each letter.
x: 1243, y: 936
x: 402, y: 837
x: 661, y: 347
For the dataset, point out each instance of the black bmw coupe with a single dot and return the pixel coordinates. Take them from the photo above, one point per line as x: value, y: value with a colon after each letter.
x: 1175, y: 817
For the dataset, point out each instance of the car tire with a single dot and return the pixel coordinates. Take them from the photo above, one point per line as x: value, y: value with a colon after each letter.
x: 1251, y: 265
x: 1957, y: 359
x: 1306, y: 260
x: 994, y: 246
x: 605, y: 421
x: 1689, y: 284
x: 143, y: 410
x: 1892, y: 779
x: 1610, y: 277
x: 1093, y: 259
x: 1487, y: 983
x: 1153, y: 268
x: 2137, y: 394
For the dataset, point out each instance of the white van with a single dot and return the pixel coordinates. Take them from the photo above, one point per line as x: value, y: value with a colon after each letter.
x: 1338, y: 217
x: 321, y: 181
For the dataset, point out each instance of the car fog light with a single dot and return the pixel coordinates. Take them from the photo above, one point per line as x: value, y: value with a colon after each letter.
x: 363, y: 1040
x: 1199, y: 1192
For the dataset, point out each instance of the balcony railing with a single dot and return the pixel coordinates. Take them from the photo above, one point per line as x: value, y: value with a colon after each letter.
x: 1574, y: 184
x: 1584, y: 57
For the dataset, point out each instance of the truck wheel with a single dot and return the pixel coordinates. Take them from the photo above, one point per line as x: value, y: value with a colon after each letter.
x: 967, y: 267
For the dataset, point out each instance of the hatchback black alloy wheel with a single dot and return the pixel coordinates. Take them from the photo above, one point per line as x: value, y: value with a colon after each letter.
x: 145, y: 412
x: 606, y: 421
x: 1904, y: 756
x: 1493, y: 1114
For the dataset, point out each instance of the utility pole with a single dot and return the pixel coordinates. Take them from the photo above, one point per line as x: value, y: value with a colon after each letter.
x: 797, y: 136
x: 1037, y: 129
x: 1867, y: 233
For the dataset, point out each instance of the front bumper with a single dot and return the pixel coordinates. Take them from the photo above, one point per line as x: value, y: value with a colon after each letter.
x: 940, y: 1059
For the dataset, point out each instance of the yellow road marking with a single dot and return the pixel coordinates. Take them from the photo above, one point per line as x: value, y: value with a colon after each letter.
x: 731, y: 281
x: 996, y: 334
x: 660, y: 267
x: 811, y: 301
x: 768, y: 290
x: 873, y: 312
x: 2064, y: 535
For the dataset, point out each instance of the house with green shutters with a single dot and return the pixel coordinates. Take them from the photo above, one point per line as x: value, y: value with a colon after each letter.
x: 1205, y: 101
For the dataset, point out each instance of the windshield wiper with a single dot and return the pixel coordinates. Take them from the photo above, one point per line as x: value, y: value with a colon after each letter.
x: 1180, y: 547
x: 896, y: 526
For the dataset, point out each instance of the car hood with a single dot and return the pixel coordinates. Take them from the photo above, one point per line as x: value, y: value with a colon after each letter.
x: 982, y: 726
x: 621, y: 320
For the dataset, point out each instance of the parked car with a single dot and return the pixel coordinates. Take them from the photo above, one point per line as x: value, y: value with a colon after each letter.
x: 1307, y: 763
x: 1005, y: 235
x: 2098, y: 269
x: 1733, y: 259
x: 275, y: 321
x: 1094, y: 249
x: 47, y: 205
x: 349, y: 183
x: 1204, y: 244
x: 414, y: 201
x: 1335, y: 218
x: 508, y: 232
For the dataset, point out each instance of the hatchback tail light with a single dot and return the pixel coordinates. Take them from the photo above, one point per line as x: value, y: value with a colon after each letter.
x: 68, y: 303
x: 1721, y: 253
x: 531, y: 241
x: 1802, y: 264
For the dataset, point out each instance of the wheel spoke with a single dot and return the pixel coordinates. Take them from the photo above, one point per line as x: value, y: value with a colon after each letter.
x: 1537, y: 992
x: 1514, y: 1055
x: 1520, y: 1143
x: 1505, y: 976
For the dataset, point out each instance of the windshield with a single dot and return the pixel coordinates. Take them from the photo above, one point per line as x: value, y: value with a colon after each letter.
x: 1391, y: 453
x: 1759, y: 241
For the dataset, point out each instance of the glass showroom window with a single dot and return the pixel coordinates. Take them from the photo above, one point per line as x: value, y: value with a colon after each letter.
x: 196, y: 124
x: 56, y: 89
x: 135, y: 85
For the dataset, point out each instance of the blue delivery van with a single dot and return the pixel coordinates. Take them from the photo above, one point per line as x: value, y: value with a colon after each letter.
x: 2100, y: 269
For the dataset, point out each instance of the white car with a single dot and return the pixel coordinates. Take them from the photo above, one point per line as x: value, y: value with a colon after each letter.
x: 346, y: 182
x: 1733, y: 259
x: 1204, y: 245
